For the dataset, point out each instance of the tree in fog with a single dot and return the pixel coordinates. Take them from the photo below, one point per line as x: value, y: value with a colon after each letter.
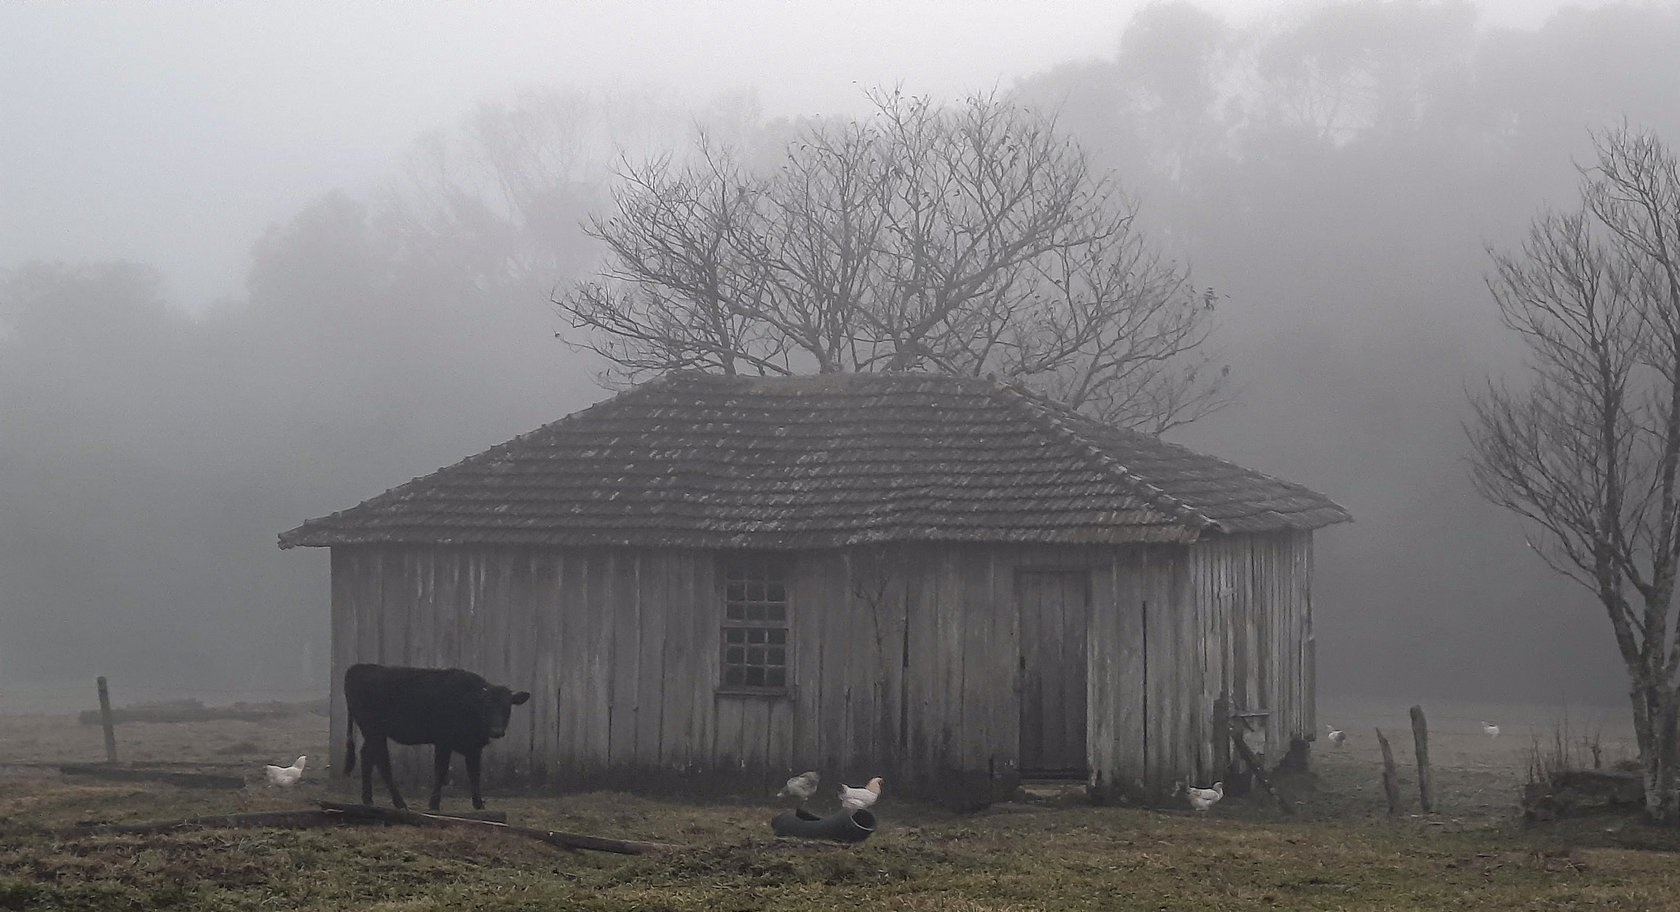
x: 1588, y: 451
x: 971, y: 239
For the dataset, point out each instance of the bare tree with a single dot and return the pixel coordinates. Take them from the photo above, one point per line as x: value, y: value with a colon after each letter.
x: 1589, y: 451
x: 970, y: 240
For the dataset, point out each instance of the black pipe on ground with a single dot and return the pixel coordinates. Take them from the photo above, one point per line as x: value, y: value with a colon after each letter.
x: 844, y: 826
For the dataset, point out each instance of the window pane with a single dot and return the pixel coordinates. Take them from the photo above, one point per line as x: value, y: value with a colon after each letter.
x: 755, y: 616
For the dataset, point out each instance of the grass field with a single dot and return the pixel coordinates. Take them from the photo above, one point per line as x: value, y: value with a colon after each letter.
x: 1341, y: 851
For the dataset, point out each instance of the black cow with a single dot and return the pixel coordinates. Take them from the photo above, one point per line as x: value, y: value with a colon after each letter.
x: 455, y: 710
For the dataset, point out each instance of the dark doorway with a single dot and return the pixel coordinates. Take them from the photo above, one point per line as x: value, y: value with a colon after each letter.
x: 1055, y: 607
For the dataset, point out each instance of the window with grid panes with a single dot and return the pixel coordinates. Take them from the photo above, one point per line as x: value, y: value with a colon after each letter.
x: 755, y: 623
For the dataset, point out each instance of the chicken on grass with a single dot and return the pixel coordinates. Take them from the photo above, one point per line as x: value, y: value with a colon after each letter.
x: 1202, y: 798
x: 285, y: 776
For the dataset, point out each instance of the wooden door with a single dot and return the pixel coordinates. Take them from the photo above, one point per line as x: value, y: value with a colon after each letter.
x: 1055, y: 607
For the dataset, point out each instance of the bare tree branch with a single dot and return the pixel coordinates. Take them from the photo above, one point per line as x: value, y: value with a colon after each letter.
x: 1589, y: 452
x: 971, y: 239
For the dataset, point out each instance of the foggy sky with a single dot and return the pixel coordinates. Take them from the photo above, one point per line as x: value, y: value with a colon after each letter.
x: 289, y: 344
x: 172, y: 134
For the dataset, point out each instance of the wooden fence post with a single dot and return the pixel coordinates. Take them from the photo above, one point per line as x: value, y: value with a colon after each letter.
x: 1420, y: 740
x: 105, y: 719
x: 1391, y: 779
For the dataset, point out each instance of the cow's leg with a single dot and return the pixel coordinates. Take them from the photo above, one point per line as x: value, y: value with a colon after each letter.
x: 472, y: 775
x: 370, y: 759
x: 440, y: 772
x: 385, y: 772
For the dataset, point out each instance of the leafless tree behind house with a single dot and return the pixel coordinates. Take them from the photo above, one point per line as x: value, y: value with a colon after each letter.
x: 972, y: 240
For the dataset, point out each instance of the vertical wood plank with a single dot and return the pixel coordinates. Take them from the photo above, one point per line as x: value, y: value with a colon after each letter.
x: 446, y: 619
x: 369, y: 605
x: 624, y: 670
x: 929, y: 696
x: 542, y: 584
x: 595, y: 623
x: 952, y: 616
x: 708, y: 621
x: 780, y: 753
x: 727, y: 752
x: 652, y: 572
x: 572, y: 699
x: 681, y: 652
x: 755, y: 737
x: 345, y: 565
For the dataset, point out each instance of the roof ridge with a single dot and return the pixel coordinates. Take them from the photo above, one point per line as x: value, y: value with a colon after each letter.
x: 1043, y: 408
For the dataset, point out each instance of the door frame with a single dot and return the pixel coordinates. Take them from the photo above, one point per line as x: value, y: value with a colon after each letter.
x: 1086, y: 575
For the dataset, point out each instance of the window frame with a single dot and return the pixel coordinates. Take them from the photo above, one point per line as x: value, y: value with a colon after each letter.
x: 747, y: 585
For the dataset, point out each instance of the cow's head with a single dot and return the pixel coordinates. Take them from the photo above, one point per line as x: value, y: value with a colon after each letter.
x: 497, y: 703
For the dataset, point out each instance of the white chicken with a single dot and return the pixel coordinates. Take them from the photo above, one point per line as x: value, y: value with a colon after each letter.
x: 856, y: 799
x: 1490, y: 729
x: 285, y: 776
x: 1337, y: 736
x: 802, y: 786
x: 1203, y: 798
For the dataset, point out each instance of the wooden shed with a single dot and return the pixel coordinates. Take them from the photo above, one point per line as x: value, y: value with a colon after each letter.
x: 949, y: 582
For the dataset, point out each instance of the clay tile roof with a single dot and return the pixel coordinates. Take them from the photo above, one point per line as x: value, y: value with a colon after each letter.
x: 698, y: 460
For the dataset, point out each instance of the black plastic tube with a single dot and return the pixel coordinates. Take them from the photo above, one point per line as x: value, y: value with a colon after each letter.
x: 844, y: 826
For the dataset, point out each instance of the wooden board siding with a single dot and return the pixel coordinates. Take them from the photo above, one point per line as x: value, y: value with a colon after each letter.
x: 904, y: 660
x: 1227, y: 616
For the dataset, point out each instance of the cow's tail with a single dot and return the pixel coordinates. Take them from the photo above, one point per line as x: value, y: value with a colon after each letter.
x: 349, y: 743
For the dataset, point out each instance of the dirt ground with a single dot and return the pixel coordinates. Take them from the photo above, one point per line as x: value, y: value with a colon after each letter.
x: 1341, y: 850
x: 1476, y: 775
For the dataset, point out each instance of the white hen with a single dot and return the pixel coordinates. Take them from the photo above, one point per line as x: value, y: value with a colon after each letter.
x: 856, y: 799
x: 802, y: 786
x: 1337, y: 736
x: 1201, y: 799
x: 1490, y: 729
x: 285, y: 776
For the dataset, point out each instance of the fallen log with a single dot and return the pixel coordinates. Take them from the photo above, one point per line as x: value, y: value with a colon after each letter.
x: 130, y: 774
x: 370, y: 813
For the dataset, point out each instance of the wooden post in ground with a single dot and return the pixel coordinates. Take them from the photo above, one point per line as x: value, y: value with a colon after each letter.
x: 1420, y: 740
x: 1391, y: 779
x: 105, y: 719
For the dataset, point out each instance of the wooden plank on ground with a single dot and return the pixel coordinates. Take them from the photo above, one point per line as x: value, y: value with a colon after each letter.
x: 369, y: 813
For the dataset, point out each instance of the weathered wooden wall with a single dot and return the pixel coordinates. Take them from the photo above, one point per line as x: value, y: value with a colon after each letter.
x: 1229, y: 616
x: 904, y: 663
